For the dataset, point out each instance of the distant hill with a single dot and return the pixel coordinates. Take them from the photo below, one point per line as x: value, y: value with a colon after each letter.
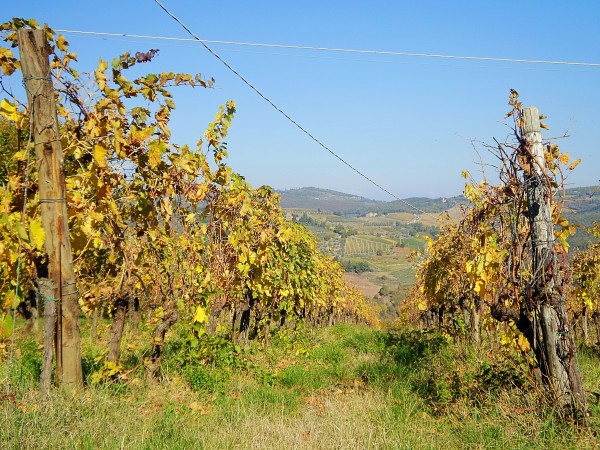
x: 583, y: 200
x: 326, y: 200
x: 582, y: 207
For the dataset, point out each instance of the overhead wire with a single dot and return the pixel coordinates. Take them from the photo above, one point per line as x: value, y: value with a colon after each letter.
x: 333, y: 49
x: 289, y: 118
x: 191, y: 43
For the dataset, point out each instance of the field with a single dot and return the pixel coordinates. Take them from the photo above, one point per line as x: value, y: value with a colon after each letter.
x: 367, y: 245
x: 375, y: 250
x: 347, y: 387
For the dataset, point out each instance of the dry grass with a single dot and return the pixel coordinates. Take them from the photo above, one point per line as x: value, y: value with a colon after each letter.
x: 347, y: 394
x: 175, y: 417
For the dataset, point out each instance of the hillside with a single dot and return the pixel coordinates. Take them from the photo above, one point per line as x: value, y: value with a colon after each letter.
x: 583, y: 203
x: 326, y: 200
x: 582, y: 207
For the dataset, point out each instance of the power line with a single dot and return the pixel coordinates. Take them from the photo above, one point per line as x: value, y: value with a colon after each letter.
x: 256, y: 49
x: 282, y: 112
x: 331, y: 49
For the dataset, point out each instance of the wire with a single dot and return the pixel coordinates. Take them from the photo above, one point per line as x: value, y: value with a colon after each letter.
x: 191, y: 43
x: 332, y: 49
x: 282, y: 112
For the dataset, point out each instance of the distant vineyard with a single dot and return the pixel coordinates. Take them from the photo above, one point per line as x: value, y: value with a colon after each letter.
x: 381, y: 223
x: 367, y: 245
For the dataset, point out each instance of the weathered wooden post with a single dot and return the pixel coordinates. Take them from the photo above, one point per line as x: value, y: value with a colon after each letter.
x: 557, y: 351
x: 34, y: 52
x: 47, y: 290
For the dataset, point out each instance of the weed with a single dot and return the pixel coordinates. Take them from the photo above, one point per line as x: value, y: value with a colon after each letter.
x: 27, y: 366
x: 208, y: 349
x: 204, y: 379
x: 328, y: 353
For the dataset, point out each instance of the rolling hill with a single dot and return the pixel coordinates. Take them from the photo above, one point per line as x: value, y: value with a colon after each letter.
x: 325, y: 200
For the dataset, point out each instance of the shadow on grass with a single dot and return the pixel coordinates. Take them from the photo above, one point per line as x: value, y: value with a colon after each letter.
x: 440, y: 372
x: 410, y: 348
x: 403, y: 355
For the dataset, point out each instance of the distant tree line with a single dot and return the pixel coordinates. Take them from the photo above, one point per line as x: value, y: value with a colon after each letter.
x: 356, y: 266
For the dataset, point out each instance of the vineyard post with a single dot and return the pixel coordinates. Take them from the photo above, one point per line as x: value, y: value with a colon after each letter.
x: 34, y: 54
x: 558, y: 355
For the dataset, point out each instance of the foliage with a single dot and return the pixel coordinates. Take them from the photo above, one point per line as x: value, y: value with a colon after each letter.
x: 486, y: 255
x: 490, y: 271
x: 356, y: 266
x: 586, y: 278
x: 166, y: 227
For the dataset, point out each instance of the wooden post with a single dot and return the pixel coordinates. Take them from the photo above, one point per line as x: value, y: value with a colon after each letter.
x: 34, y: 52
x: 556, y: 350
x: 47, y: 290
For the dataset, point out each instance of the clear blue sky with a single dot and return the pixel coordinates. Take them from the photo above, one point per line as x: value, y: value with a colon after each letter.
x: 405, y: 121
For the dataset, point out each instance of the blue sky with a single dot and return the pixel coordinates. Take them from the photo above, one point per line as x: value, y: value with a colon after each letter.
x: 406, y: 122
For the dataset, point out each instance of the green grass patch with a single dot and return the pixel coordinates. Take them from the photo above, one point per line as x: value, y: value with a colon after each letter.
x: 414, y: 243
x: 341, y: 387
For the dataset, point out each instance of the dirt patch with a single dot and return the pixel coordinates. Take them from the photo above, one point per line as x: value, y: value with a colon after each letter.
x: 401, y: 251
x: 360, y: 281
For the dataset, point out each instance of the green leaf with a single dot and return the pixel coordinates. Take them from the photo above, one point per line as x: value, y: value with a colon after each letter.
x: 22, y: 232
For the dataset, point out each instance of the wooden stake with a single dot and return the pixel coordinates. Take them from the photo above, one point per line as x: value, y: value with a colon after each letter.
x: 34, y: 52
x: 47, y: 291
x: 557, y: 347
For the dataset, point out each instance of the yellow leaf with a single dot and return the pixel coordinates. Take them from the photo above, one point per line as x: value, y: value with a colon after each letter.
x: 98, y: 217
x: 11, y: 300
x: 564, y: 158
x: 505, y: 340
x: 19, y: 156
x: 469, y: 266
x: 200, y: 316
x: 37, y: 235
x: 99, y: 74
x: 574, y: 164
x: 100, y: 155
x: 8, y: 63
x: 8, y: 110
x: 155, y: 153
x: 61, y: 43
x: 167, y: 208
x: 523, y: 343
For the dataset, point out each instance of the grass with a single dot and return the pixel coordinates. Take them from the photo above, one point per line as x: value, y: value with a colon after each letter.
x: 340, y: 387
